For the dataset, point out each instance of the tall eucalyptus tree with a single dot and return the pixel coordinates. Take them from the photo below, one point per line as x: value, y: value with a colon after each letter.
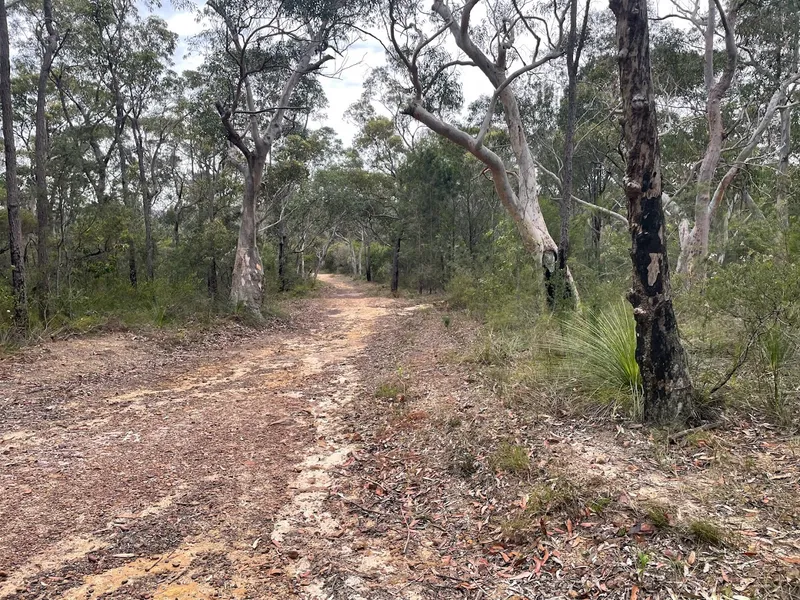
x: 271, y: 48
x: 12, y: 183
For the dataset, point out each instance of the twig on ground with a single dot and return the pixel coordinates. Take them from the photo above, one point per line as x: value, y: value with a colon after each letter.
x: 408, y: 532
x: 687, y: 432
x: 176, y: 576
x: 160, y: 558
x: 362, y: 508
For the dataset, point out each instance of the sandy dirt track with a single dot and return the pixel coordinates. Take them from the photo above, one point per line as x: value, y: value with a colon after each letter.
x: 132, y: 469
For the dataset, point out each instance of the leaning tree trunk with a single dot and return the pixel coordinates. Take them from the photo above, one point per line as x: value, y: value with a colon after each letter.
x: 367, y: 258
x: 667, y: 387
x: 12, y: 184
x: 522, y: 204
x: 247, y: 287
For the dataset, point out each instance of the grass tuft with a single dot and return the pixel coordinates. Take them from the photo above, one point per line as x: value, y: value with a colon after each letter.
x: 658, y: 515
x: 388, y: 390
x: 510, y: 458
x: 709, y: 533
x: 555, y: 496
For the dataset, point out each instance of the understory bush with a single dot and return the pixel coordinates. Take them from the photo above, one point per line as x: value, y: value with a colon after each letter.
x: 756, y: 302
x: 741, y: 330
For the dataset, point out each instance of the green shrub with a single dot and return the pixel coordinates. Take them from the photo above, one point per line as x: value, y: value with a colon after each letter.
x: 495, y: 349
x: 757, y: 302
x: 658, y: 515
x: 554, y: 496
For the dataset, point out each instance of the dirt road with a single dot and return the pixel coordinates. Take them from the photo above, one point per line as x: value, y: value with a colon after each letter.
x: 129, y: 468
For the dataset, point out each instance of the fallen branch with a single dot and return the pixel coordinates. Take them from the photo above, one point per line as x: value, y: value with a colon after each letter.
x: 687, y: 432
x: 408, y: 533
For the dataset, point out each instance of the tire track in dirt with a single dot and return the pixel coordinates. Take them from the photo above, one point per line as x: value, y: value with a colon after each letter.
x: 196, y: 479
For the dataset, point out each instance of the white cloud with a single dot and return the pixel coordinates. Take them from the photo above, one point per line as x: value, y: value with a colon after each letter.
x: 186, y: 24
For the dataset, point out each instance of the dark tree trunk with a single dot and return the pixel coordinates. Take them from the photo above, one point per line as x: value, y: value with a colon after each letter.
x: 49, y: 46
x: 565, y: 206
x: 596, y: 227
x: 133, y: 273
x: 147, y: 200
x: 211, y: 275
x: 212, y: 279
x: 282, y: 257
x: 668, y: 392
x: 12, y: 184
x: 396, y: 265
x: 470, y: 230
x: 597, y: 185
x: 368, y: 260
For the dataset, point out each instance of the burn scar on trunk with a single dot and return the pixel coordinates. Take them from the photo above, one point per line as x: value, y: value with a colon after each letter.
x: 653, y: 269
